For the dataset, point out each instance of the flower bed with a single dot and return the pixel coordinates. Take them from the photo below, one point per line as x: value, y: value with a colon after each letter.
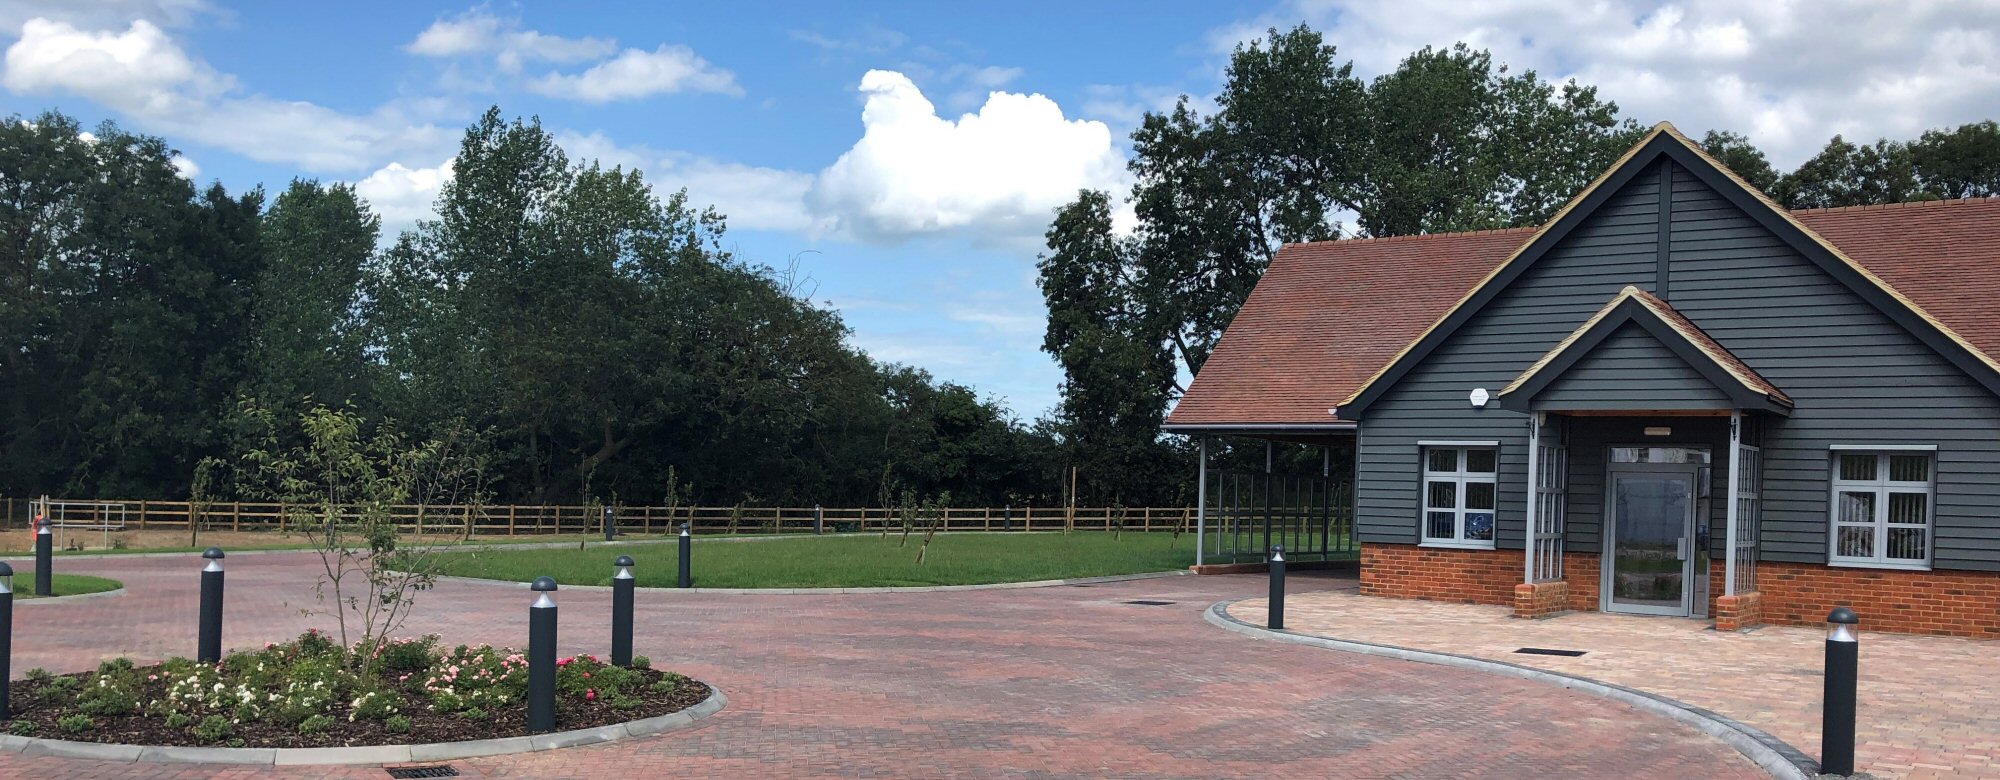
x: 312, y: 692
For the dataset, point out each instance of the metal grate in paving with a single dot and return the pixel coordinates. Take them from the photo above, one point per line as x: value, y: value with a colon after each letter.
x: 422, y: 771
x: 1547, y: 651
x: 1147, y: 603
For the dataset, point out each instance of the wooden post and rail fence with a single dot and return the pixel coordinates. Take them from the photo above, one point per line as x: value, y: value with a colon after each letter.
x: 503, y: 520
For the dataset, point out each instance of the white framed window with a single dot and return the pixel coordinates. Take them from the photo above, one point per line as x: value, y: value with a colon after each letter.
x: 1458, y: 494
x: 1881, y: 511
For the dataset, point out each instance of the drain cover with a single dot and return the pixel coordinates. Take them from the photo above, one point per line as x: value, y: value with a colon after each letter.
x: 422, y: 771
x: 1145, y: 603
x: 1546, y: 651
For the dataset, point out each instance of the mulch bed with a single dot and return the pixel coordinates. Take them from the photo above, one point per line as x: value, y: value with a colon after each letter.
x: 425, y: 725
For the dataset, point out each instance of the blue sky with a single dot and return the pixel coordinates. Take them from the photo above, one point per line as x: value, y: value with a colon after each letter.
x: 837, y: 136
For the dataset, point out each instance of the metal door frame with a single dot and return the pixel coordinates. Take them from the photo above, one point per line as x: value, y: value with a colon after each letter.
x: 1692, y: 471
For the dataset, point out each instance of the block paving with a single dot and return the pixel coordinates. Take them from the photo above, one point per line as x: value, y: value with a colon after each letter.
x: 1061, y: 682
x: 1929, y: 707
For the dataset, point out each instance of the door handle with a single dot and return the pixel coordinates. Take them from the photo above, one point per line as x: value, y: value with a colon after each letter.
x: 1681, y: 549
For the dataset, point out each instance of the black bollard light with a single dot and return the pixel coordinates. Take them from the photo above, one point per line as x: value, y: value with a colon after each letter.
x: 610, y: 524
x: 6, y: 639
x: 542, y: 657
x: 1836, y: 747
x: 1277, y: 611
x: 819, y: 520
x: 1007, y: 519
x: 45, y: 557
x: 209, y: 648
x: 621, y: 612
x: 687, y: 558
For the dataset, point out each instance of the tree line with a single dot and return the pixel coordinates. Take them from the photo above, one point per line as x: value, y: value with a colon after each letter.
x: 1297, y: 147
x: 592, y: 338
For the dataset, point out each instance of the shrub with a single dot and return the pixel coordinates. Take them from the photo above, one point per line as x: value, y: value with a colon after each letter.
x: 76, y: 724
x: 108, y: 697
x: 247, y: 712
x: 22, y: 728
x: 641, y: 662
x: 317, y: 724
x: 178, y: 720
x: 473, y: 713
x: 397, y: 724
x: 39, y: 675
x: 373, y: 705
x: 213, y: 728
x: 403, y: 656
x: 625, y: 703
x: 58, y: 691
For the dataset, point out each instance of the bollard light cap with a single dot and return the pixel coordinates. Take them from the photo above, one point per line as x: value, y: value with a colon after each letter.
x: 6, y: 570
x: 212, y: 553
x: 623, y: 560
x: 1843, y: 616
x: 543, y: 584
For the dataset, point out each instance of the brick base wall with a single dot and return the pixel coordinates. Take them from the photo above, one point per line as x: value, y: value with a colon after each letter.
x: 1739, y: 611
x: 1540, y: 599
x: 1406, y: 571
x: 1947, y: 603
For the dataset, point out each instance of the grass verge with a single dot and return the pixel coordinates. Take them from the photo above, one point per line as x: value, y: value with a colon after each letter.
x: 62, y: 584
x: 847, y: 561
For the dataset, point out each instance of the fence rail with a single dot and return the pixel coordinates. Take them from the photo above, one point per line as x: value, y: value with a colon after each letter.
x: 529, y: 520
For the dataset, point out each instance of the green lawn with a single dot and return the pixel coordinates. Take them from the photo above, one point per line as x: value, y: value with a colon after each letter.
x: 846, y: 561
x: 64, y: 584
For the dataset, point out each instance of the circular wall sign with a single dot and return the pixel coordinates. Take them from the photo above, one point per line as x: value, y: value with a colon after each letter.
x: 1479, y: 397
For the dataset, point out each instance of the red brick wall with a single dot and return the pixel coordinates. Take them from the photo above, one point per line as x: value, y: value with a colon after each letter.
x: 1581, y: 572
x: 1952, y: 603
x: 1466, y: 576
x: 1739, y: 611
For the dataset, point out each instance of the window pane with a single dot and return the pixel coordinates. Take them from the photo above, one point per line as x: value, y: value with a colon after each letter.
x: 1437, y: 525
x: 1857, y: 466
x: 1856, y: 508
x: 1909, y: 468
x: 1908, y: 508
x: 1854, y: 541
x: 1442, y: 460
x: 1478, y: 495
x: 1479, y: 525
x: 1442, y: 495
x: 1479, y: 461
x: 1906, y: 544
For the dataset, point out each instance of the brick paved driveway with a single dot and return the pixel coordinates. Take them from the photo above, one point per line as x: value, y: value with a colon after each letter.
x: 1929, y: 706
x: 1042, y: 683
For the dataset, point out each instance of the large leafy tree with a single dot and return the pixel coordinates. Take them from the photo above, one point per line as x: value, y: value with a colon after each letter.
x: 126, y: 296
x: 1295, y: 144
x: 1849, y: 174
x: 308, y: 340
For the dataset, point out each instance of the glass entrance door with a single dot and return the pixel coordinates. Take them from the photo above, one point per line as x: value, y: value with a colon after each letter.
x: 1651, y: 535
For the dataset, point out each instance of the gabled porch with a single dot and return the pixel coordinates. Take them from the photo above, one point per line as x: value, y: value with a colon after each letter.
x: 1631, y: 420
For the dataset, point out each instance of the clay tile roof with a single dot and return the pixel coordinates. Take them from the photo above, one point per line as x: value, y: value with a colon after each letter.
x: 1943, y: 255
x: 1329, y: 315
x: 1326, y: 316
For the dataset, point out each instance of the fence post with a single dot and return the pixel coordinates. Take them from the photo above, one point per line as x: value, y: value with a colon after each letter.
x: 235, y: 515
x: 510, y: 519
x: 1147, y: 518
x: 142, y: 514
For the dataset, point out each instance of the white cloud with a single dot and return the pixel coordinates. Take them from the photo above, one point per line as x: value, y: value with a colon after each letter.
x: 144, y: 74
x: 637, y: 74
x: 999, y: 172
x: 186, y: 167
x: 403, y: 195
x: 139, y: 69
x: 1788, y: 74
x: 477, y: 32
